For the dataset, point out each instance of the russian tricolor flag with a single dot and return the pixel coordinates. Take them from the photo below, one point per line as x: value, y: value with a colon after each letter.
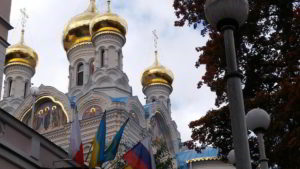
x: 140, y: 156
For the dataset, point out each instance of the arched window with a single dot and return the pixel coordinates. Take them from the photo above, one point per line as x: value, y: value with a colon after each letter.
x: 120, y: 59
x: 80, y: 74
x: 92, y: 67
x: 102, y: 58
x: 153, y: 99
x: 9, y: 86
x: 92, y: 111
x: 25, y: 89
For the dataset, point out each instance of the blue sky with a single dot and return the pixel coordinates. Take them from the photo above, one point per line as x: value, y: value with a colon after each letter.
x: 176, y: 48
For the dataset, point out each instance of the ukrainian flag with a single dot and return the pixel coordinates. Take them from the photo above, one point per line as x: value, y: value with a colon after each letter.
x: 99, y: 144
x: 112, y: 150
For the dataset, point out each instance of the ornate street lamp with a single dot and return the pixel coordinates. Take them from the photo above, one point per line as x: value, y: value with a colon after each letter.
x: 258, y: 120
x: 227, y: 16
x: 34, y: 92
x: 231, y: 157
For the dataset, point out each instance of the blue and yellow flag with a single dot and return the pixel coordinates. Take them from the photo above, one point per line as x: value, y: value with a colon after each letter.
x: 112, y: 150
x: 97, y: 158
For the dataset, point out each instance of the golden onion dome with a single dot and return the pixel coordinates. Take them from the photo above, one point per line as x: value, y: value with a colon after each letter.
x: 108, y: 22
x: 20, y: 54
x: 77, y: 29
x: 157, y: 74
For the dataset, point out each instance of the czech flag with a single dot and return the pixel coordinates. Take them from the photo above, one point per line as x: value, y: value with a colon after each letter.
x: 76, y: 147
x: 140, y: 156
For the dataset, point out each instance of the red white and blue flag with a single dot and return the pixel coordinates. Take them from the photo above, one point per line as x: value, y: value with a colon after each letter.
x: 76, y: 147
x: 140, y: 156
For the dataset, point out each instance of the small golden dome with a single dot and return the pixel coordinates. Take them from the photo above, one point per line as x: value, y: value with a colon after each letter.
x: 20, y: 54
x: 77, y: 29
x: 157, y: 74
x: 108, y: 22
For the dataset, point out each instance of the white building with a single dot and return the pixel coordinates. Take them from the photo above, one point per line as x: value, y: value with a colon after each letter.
x: 93, y: 43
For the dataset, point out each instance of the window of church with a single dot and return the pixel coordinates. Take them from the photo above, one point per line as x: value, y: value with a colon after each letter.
x: 80, y: 74
x: 102, y: 58
x: 9, y: 87
x: 119, y: 59
x: 92, y: 111
x: 92, y: 67
x: 25, y: 89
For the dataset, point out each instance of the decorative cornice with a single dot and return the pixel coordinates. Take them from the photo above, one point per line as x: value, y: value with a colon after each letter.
x: 86, y: 46
x: 203, y: 159
x: 18, y: 67
x: 109, y: 33
x: 5, y: 23
x: 4, y: 42
x: 157, y: 85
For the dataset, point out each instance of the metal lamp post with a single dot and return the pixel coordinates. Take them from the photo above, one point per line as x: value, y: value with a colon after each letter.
x: 258, y: 120
x: 34, y: 92
x: 227, y: 16
x: 231, y: 157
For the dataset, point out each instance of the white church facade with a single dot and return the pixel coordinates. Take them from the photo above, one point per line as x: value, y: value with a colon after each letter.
x: 93, y: 44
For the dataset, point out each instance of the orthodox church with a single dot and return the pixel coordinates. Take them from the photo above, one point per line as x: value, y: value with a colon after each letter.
x: 93, y: 43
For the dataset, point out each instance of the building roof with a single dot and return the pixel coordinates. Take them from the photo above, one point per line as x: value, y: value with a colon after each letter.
x: 188, y: 156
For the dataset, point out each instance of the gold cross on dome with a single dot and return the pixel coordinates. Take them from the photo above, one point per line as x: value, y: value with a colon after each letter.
x: 155, y: 39
x: 24, y: 17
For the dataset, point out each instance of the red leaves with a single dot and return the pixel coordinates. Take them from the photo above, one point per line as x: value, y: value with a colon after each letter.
x: 268, y: 54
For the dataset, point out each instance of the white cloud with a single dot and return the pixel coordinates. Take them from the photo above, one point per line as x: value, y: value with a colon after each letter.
x: 176, y: 49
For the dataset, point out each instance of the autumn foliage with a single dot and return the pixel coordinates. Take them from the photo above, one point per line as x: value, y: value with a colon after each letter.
x: 268, y: 55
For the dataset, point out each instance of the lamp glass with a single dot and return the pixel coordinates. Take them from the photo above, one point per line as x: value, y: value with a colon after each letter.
x: 257, y: 119
x: 217, y: 10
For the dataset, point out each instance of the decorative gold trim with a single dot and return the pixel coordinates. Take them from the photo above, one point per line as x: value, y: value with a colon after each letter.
x: 53, y: 100
x: 79, y: 44
x: 153, y: 84
x: 16, y: 63
x: 108, y: 32
x: 202, y: 159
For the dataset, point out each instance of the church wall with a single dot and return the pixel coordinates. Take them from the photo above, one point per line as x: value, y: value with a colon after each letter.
x: 19, y: 75
x: 113, y: 92
x: 4, y: 28
x: 79, y: 54
x: 5, y: 163
x: 158, y: 93
x: 110, y: 44
x: 22, y: 147
x: 2, y: 57
x: 115, y: 118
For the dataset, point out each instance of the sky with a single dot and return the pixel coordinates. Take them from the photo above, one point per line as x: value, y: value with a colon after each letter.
x: 176, y: 47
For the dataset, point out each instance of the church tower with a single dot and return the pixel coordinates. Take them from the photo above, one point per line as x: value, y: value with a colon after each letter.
x: 157, y: 81
x: 19, y: 68
x: 80, y: 50
x: 157, y: 86
x: 108, y: 33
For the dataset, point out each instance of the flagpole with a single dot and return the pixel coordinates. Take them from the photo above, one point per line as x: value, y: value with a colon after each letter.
x: 88, y: 153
